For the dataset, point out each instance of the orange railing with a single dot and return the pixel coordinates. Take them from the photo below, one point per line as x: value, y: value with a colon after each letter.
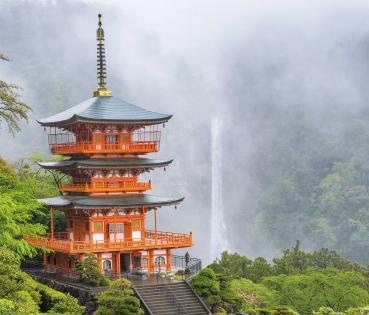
x: 152, y: 240
x: 107, y: 185
x: 88, y: 147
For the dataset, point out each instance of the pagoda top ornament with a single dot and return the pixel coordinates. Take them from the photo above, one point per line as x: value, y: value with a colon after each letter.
x: 101, y: 63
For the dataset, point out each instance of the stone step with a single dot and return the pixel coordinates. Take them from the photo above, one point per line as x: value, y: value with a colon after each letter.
x: 168, y: 299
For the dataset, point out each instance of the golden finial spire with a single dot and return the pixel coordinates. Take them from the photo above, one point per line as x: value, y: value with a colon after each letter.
x: 101, y: 65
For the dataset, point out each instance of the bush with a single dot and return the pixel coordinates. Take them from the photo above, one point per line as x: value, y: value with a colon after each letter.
x: 66, y: 306
x: 118, y: 300
x: 326, y: 311
x: 283, y: 311
x: 7, y: 307
x: 9, y: 262
x: 254, y: 296
x: 205, y: 283
x: 55, y: 302
x: 89, y: 271
x: 24, y: 303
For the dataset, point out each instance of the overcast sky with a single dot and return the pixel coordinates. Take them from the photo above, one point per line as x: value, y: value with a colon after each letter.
x: 195, y: 60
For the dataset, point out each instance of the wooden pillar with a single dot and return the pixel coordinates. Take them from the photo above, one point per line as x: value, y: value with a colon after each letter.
x: 52, y: 223
x: 156, y: 228
x: 168, y: 260
x: 150, y: 262
x: 118, y: 264
x: 45, y: 262
x: 114, y: 263
x: 143, y: 228
x: 90, y: 231
x: 115, y: 225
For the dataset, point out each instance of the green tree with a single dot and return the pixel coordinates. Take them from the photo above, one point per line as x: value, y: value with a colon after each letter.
x: 233, y: 265
x: 329, y: 287
x: 259, y: 269
x: 118, y: 300
x: 16, y: 212
x: 292, y: 262
x: 12, y: 110
x: 89, y: 271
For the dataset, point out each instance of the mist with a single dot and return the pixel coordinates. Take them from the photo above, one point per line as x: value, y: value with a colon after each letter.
x: 249, y: 62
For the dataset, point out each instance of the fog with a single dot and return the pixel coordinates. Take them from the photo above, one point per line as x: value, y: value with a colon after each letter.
x: 239, y: 60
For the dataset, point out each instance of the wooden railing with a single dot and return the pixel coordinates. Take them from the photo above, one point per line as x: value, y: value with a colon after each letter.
x: 107, y: 185
x: 88, y: 147
x: 152, y: 240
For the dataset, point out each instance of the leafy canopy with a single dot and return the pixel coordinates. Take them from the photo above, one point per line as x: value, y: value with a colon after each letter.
x: 12, y: 109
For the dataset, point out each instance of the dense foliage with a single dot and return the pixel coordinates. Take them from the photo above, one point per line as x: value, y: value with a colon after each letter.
x: 21, y: 295
x: 89, y: 271
x: 118, y: 300
x: 21, y: 214
x: 17, y: 208
x: 298, y: 282
x: 12, y: 109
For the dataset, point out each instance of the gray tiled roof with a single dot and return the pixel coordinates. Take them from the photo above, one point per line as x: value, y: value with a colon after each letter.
x: 132, y: 200
x: 105, y: 109
x: 121, y: 163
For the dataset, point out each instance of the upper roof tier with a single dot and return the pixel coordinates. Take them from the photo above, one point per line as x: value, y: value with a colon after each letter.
x: 111, y: 163
x: 105, y: 109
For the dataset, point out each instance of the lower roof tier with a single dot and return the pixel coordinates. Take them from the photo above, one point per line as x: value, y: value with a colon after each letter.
x: 106, y: 163
x: 107, y: 202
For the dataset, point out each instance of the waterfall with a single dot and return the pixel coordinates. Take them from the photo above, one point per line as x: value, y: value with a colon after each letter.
x: 218, y: 233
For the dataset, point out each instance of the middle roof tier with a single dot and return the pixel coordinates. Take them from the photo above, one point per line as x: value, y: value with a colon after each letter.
x: 139, y: 164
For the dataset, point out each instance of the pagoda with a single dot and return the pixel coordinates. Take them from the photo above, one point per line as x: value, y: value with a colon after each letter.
x: 104, y: 140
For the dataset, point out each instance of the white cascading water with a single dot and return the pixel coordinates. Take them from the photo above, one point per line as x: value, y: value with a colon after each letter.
x: 218, y: 237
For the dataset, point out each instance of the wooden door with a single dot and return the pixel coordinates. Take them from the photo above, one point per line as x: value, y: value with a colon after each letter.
x: 80, y: 229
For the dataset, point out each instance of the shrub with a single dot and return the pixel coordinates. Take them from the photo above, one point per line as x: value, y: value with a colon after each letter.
x: 282, y: 310
x: 118, y: 300
x: 67, y: 306
x: 205, y: 283
x: 7, y: 307
x: 89, y: 271
x: 55, y: 302
x: 24, y: 303
x: 254, y: 295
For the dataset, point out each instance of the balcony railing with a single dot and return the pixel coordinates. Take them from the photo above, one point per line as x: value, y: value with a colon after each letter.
x: 153, y: 240
x: 107, y: 185
x: 87, y: 147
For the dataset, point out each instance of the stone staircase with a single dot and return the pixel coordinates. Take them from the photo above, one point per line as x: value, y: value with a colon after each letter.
x: 175, y: 298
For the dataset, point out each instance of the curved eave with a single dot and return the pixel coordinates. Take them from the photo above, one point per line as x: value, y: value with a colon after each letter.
x: 127, y: 201
x: 77, y: 118
x: 102, y: 164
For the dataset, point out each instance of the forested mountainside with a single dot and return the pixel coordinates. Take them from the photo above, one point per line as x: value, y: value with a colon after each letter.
x: 311, y: 175
x: 298, y: 282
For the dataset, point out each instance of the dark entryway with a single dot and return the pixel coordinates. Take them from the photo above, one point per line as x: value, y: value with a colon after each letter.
x: 125, y: 262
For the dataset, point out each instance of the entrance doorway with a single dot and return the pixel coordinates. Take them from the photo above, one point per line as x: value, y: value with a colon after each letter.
x: 125, y: 262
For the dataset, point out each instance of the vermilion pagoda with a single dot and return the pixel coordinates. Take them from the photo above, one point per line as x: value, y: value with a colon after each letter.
x: 105, y: 204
